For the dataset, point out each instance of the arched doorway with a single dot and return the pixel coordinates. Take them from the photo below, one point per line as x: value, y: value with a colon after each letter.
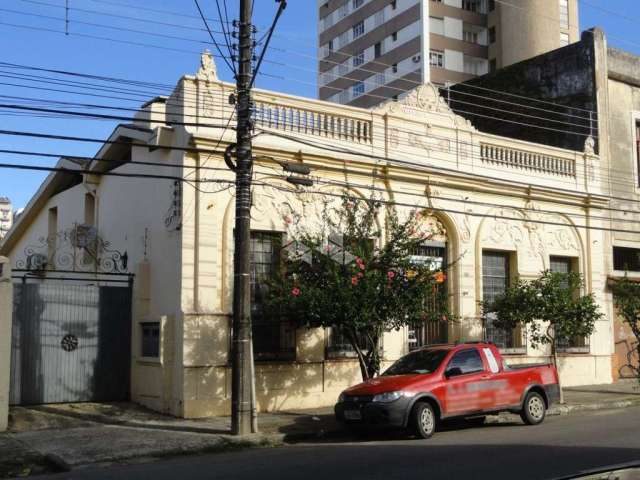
x: 434, y: 252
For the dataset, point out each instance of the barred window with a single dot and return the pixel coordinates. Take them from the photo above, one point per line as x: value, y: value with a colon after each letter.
x: 575, y: 344
x: 626, y: 259
x: 339, y: 346
x: 429, y: 333
x: 495, y: 281
x: 150, y: 333
x: 273, y: 338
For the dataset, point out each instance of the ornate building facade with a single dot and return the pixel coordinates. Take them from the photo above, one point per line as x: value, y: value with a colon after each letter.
x: 499, y: 209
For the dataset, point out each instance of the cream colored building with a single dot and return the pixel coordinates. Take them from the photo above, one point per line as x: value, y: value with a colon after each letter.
x: 502, y: 208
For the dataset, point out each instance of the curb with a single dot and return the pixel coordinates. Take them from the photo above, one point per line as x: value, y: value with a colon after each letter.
x: 90, y: 417
x: 568, y: 409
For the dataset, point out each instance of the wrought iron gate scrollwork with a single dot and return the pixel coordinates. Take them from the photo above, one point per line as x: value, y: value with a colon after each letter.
x: 78, y: 249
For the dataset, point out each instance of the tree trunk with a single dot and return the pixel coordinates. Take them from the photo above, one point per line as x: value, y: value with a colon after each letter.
x: 554, y: 355
x: 369, y: 363
x: 555, y: 364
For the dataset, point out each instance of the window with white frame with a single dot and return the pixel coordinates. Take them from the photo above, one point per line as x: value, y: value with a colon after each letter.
x: 343, y: 11
x: 379, y: 18
x: 475, y: 65
x: 564, y: 13
x: 356, y: 4
x: 358, y: 29
x: 343, y: 39
x: 327, y: 21
x: 343, y: 97
x: 357, y: 89
x: 436, y: 25
x: 358, y: 59
x: 564, y: 39
x: 436, y: 59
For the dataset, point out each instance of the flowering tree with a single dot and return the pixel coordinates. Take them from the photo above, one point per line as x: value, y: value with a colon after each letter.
x: 550, y: 307
x: 354, y: 282
x: 626, y: 297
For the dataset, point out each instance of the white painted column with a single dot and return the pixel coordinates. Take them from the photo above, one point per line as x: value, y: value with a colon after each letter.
x: 6, y: 310
x: 424, y: 41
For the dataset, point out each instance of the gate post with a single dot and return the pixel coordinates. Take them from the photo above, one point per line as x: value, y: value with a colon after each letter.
x: 6, y: 313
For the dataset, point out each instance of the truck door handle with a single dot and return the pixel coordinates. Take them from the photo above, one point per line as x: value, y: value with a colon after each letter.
x: 485, y: 377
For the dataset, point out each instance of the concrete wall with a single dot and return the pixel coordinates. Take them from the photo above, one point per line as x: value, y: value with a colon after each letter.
x: 6, y: 314
x: 528, y: 28
x: 566, y: 77
x: 623, y: 88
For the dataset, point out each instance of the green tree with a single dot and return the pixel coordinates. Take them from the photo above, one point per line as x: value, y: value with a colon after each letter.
x: 342, y: 276
x: 550, y: 307
x: 626, y: 297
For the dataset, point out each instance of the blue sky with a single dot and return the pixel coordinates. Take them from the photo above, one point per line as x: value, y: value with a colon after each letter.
x: 290, y: 65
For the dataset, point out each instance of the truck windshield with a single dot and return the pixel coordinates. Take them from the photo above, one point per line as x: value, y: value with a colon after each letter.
x: 422, y: 361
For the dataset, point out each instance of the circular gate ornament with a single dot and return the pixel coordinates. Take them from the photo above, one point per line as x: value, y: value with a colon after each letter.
x: 69, y: 343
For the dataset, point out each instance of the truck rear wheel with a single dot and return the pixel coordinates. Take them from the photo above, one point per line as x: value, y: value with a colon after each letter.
x: 533, y: 409
x: 423, y: 420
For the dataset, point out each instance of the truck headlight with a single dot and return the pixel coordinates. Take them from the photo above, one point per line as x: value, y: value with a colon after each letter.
x: 387, y: 397
x: 342, y: 397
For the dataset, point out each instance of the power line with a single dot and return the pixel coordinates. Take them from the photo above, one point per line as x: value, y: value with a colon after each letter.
x: 72, y: 171
x: 110, y: 117
x: 421, y: 194
x: 231, y: 67
x: 105, y: 160
x: 154, y: 10
x: 111, y: 27
x: 461, y: 212
x: 513, y: 113
x: 433, y: 167
x: 417, y: 134
x: 112, y: 15
x: 403, y: 90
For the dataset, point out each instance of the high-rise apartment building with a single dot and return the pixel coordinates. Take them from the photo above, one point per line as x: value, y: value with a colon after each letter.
x: 373, y: 50
x: 6, y: 216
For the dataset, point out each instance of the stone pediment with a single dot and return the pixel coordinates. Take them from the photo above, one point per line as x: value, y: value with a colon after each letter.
x: 425, y: 103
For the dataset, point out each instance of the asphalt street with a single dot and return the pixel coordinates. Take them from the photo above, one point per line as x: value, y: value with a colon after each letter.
x: 560, y: 446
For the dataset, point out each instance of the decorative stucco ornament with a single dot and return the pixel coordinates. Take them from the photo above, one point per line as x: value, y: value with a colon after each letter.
x: 590, y: 146
x: 425, y: 99
x: 208, y: 70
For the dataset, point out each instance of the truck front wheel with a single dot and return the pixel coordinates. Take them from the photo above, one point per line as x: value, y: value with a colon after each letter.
x: 423, y: 420
x: 533, y: 409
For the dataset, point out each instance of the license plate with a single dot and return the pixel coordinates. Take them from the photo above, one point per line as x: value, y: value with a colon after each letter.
x: 352, y: 415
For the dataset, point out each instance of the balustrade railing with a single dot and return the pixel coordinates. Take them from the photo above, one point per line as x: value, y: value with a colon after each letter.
x: 322, y: 124
x: 527, y: 160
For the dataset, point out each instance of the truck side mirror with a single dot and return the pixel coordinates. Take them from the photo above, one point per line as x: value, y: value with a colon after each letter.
x: 453, y: 372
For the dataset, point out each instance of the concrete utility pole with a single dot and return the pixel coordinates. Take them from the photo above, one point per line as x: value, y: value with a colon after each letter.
x: 242, y: 375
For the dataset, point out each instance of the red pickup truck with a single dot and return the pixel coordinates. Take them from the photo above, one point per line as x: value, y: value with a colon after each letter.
x: 448, y: 381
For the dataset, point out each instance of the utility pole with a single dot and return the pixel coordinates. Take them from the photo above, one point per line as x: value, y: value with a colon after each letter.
x: 242, y: 375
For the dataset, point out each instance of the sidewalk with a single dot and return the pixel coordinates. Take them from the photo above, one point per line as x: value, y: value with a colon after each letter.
x: 71, y: 435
